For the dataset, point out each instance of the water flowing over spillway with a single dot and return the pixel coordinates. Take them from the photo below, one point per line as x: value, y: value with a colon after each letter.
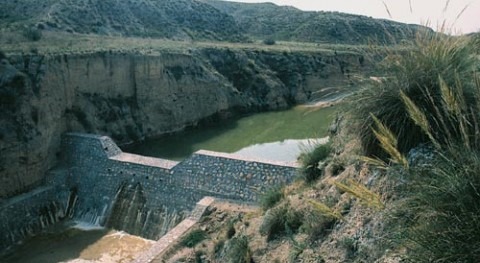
x: 130, y: 213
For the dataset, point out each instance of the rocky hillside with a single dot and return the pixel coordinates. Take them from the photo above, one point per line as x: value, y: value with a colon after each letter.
x: 198, y: 20
x: 130, y: 96
x: 173, y: 19
x: 267, y: 20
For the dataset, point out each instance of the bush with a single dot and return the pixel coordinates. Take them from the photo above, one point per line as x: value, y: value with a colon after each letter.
x: 269, y: 41
x: 319, y: 220
x: 271, y: 198
x: 311, y: 162
x: 350, y: 245
x: 217, y: 248
x: 428, y: 74
x: 32, y: 33
x: 440, y: 211
x: 238, y: 250
x: 432, y: 97
x: 193, y: 238
x: 2, y: 55
x: 230, y: 229
x: 337, y: 166
x: 279, y: 221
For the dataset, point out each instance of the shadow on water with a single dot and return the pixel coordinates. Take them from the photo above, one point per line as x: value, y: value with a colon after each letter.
x: 59, y: 245
x: 232, y: 135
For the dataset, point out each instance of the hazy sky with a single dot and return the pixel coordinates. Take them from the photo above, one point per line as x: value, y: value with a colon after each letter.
x: 422, y: 12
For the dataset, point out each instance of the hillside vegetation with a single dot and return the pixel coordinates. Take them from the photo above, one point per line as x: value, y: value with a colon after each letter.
x: 172, y: 19
x: 267, y: 20
x: 194, y: 20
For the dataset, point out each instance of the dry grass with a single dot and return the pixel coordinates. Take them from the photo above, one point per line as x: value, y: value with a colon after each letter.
x: 61, y: 43
x: 362, y: 193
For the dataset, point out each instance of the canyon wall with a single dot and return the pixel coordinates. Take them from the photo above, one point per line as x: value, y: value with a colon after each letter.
x: 133, y: 96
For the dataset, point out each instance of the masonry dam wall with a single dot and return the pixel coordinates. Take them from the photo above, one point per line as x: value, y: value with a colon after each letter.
x: 101, y: 185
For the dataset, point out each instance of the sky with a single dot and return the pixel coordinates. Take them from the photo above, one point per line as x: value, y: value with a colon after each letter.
x: 424, y: 12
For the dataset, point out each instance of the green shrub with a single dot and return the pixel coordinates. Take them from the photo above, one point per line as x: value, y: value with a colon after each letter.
x: 440, y: 214
x: 269, y: 41
x: 350, y: 245
x: 295, y: 250
x: 231, y: 229
x: 32, y: 33
x: 193, y: 238
x: 318, y: 221
x: 198, y: 256
x: 219, y: 246
x: 280, y: 221
x: 311, y: 162
x: 238, y: 250
x: 337, y: 166
x: 436, y: 66
x: 431, y: 97
x: 271, y: 198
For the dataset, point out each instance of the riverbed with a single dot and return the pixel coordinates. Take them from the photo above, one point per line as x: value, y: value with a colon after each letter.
x: 79, y: 244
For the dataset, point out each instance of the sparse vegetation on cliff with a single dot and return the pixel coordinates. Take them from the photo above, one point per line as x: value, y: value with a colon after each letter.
x: 32, y: 33
x: 313, y: 162
x: 271, y: 198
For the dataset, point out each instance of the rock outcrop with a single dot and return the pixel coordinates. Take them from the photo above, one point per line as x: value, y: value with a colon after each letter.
x: 131, y: 96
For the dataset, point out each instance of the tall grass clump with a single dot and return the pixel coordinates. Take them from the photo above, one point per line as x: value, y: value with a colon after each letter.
x: 193, y: 238
x: 435, y: 73
x: 440, y: 212
x: 311, y: 162
x: 319, y: 220
x: 271, y: 198
x: 430, y: 95
x: 279, y: 221
x: 238, y: 251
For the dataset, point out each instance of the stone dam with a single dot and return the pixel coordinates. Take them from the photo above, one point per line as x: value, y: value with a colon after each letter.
x: 99, y: 184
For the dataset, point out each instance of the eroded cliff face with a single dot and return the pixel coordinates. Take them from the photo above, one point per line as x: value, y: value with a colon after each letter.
x: 132, y: 96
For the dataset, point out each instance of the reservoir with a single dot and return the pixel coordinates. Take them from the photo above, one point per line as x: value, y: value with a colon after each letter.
x: 278, y: 136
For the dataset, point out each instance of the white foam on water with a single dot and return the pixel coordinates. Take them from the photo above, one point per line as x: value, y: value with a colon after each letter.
x: 118, y: 234
x: 86, y: 226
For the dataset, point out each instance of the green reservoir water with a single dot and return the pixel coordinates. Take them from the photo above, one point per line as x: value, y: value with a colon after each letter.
x: 269, y: 135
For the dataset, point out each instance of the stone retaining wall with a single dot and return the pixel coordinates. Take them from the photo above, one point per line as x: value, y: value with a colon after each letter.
x: 30, y: 213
